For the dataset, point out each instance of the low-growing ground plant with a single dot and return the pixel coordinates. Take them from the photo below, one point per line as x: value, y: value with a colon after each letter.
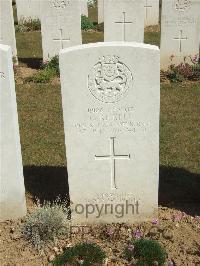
x: 48, y: 71
x: 86, y: 23
x: 81, y: 254
x: 28, y: 24
x: 53, y: 63
x: 46, y: 224
x: 145, y: 252
x: 184, y: 71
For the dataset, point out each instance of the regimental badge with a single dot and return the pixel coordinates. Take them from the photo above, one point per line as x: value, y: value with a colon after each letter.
x: 59, y: 4
x: 110, y: 79
x: 182, y: 5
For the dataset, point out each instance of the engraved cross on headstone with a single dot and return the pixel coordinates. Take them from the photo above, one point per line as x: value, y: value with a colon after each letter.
x: 61, y: 39
x: 124, y: 23
x: 146, y: 9
x: 113, y: 157
x: 29, y: 3
x: 180, y: 39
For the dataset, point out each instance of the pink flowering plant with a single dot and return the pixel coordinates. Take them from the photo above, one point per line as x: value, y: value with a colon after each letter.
x: 189, y: 69
x: 137, y: 234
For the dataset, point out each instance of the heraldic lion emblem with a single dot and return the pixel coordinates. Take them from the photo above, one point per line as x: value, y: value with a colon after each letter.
x: 109, y: 79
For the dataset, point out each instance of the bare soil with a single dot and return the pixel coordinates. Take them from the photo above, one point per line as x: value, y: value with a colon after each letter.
x: 178, y: 232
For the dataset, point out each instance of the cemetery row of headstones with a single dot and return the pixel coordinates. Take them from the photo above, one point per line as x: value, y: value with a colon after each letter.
x: 150, y: 8
x: 111, y: 124
x: 123, y: 21
x: 110, y: 99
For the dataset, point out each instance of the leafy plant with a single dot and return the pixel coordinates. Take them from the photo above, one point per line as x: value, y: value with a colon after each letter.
x: 52, y: 64
x: 43, y: 76
x: 82, y: 254
x: 86, y: 23
x: 28, y: 24
x: 146, y: 252
x: 48, y: 71
x: 46, y: 224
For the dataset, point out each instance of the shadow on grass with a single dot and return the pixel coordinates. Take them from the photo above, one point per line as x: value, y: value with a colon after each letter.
x: 179, y: 189
x: 46, y: 183
x: 34, y: 63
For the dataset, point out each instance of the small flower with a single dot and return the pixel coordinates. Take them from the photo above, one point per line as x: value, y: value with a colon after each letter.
x: 110, y: 232
x: 155, y: 221
x: 178, y: 217
x: 131, y: 248
x: 45, y: 62
x: 155, y: 263
x: 170, y: 263
x: 137, y: 234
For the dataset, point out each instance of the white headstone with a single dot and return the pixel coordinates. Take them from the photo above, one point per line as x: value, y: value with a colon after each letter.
x: 151, y: 12
x: 12, y: 194
x: 100, y: 4
x: 110, y: 95
x: 124, y: 20
x: 84, y: 7
x: 28, y: 9
x: 60, y: 26
x: 180, y: 30
x: 7, y: 30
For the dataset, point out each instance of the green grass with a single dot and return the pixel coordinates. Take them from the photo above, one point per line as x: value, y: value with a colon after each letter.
x: 152, y: 38
x: 41, y: 125
x: 92, y: 13
x: 179, y: 125
x: 42, y: 134
x: 29, y: 45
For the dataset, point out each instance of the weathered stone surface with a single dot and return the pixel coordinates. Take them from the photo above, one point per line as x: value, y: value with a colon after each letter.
x: 12, y: 194
x: 100, y: 11
x: 28, y: 9
x: 180, y: 31
x: 110, y: 94
x: 7, y: 31
x: 124, y: 20
x: 151, y: 16
x: 61, y: 25
x: 84, y: 7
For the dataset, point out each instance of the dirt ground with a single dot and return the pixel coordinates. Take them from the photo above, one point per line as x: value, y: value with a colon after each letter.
x: 178, y: 232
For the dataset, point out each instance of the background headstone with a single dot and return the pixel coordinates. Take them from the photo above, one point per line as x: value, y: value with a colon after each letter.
x: 27, y: 9
x: 100, y: 4
x: 7, y: 30
x: 60, y: 25
x: 180, y: 27
x: 110, y: 95
x: 84, y: 7
x: 124, y: 20
x: 12, y: 193
x: 151, y: 12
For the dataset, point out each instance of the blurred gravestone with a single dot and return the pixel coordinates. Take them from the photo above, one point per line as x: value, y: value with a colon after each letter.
x: 124, y: 20
x: 151, y: 14
x: 7, y: 30
x: 60, y: 25
x: 28, y: 9
x: 180, y: 31
x: 12, y: 194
